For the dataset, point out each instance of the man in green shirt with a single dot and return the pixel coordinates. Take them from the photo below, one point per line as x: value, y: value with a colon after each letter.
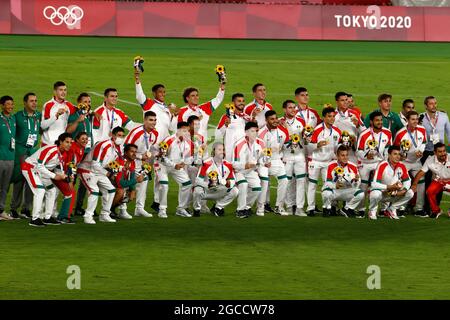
x: 81, y: 121
x: 391, y: 120
x: 7, y: 146
x: 28, y: 123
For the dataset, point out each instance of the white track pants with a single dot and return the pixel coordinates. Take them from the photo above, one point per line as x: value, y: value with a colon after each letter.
x: 351, y: 196
x: 296, y: 174
x: 43, y: 189
x: 181, y: 177
x: 315, y: 170
x: 222, y: 195
x: 249, y: 186
x: 376, y: 197
x: 95, y: 184
x: 278, y: 170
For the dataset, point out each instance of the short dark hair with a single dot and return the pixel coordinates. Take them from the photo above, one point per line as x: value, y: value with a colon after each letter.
x: 58, y: 84
x: 406, y: 101
x: 425, y: 101
x: 237, y: 95
x: 128, y: 146
x: 411, y: 113
x: 384, y: 96
x: 392, y: 148
x: 349, y: 95
x: 182, y: 124
x: 327, y: 110
x: 300, y: 90
x: 250, y: 125
x: 79, y: 134
x: 149, y: 113
x: 255, y: 86
x: 339, y: 94
x: 4, y: 99
x: 192, y: 118
x: 62, y: 137
x: 270, y: 113
x: 116, y: 130
x: 187, y: 92
x: 157, y: 86
x: 27, y: 95
x: 82, y: 95
x: 342, y: 148
x: 375, y: 114
x: 108, y: 90
x: 438, y: 145
x: 285, y: 103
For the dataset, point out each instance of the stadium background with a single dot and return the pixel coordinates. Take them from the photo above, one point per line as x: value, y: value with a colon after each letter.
x: 210, y: 258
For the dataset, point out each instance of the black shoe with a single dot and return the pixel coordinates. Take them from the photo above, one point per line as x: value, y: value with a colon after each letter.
x: 114, y: 215
x: 311, y: 213
x: 268, y: 208
x: 196, y: 213
x: 242, y: 214
x: 14, y: 215
x: 155, y: 206
x: 401, y: 213
x: 421, y: 214
x: 217, y: 212
x: 333, y: 212
x: 66, y: 221
x: 382, y: 214
x: 26, y: 213
x: 317, y: 209
x: 79, y: 211
x: 36, y: 223
x: 348, y: 213
x: 326, y: 212
x: 51, y: 221
x: 248, y: 212
x: 294, y: 208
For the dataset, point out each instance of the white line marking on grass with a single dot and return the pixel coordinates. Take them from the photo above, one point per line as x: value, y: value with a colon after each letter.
x: 338, y: 61
x: 124, y: 101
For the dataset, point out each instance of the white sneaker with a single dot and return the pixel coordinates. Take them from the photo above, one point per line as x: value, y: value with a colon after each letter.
x: 260, y: 212
x: 392, y: 214
x: 372, y: 215
x: 142, y: 213
x: 290, y: 211
x: 125, y: 215
x: 300, y: 213
x: 89, y: 220
x: 280, y: 210
x: 5, y: 216
x: 106, y: 218
x: 162, y: 213
x: 183, y: 213
x: 204, y: 209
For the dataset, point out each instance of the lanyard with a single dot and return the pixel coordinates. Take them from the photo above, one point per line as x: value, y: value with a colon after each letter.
x: 431, y: 122
x: 414, y: 140
x: 61, y: 162
x: 342, y: 114
x: 307, y: 114
x: 290, y: 124
x: 117, y: 150
x: 379, y: 139
x: 182, y: 152
x: 331, y: 130
x: 252, y: 150
x: 271, y: 135
x: 34, y: 121
x: 223, y: 170
x: 147, y: 139
x: 6, y: 122
x: 111, y: 122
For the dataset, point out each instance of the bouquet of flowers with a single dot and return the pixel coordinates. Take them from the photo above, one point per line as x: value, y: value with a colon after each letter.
x: 307, y: 133
x: 267, y: 153
x: 405, y: 145
x: 213, y: 179
x: 147, y: 169
x: 347, y: 139
x: 230, y: 109
x: 220, y: 71
x: 114, y: 167
x: 294, y: 142
x: 339, y: 174
x: 372, y: 145
x: 71, y: 171
x: 137, y: 64
x: 83, y: 108
x: 163, y: 147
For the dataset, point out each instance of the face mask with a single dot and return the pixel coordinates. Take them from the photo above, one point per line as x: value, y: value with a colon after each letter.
x: 196, y: 128
x: 119, y: 141
x: 252, y: 134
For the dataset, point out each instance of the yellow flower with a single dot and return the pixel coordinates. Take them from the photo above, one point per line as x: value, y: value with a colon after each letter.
x: 267, y: 152
x: 83, y: 106
x: 146, y: 166
x: 213, y: 175
x: 220, y: 68
x: 114, y: 165
x: 345, y: 134
x: 328, y: 105
x: 139, y: 58
x: 309, y: 128
x: 406, y: 144
x: 339, y: 171
x: 295, y: 138
x: 163, y: 145
x: 72, y: 165
x: 372, y: 144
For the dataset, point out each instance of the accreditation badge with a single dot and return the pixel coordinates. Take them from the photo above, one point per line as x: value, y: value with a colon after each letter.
x: 13, y: 144
x: 31, y: 140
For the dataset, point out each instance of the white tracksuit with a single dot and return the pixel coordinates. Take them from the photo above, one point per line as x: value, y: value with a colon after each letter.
x: 320, y: 158
x: 294, y: 157
x: 418, y: 141
x: 349, y: 192
x: 386, y: 174
x: 383, y: 140
x: 52, y: 127
x: 179, y: 150
x: 222, y: 194
x: 247, y: 180
x: 260, y: 117
x: 231, y: 134
x: 343, y: 121
x: 38, y: 171
x: 146, y: 142
x: 110, y: 119
x: 275, y: 140
x: 93, y: 175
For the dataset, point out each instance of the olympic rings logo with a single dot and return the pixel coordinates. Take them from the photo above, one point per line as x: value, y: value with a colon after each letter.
x: 68, y: 15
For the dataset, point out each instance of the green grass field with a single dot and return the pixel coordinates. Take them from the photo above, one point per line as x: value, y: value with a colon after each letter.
x: 211, y: 258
